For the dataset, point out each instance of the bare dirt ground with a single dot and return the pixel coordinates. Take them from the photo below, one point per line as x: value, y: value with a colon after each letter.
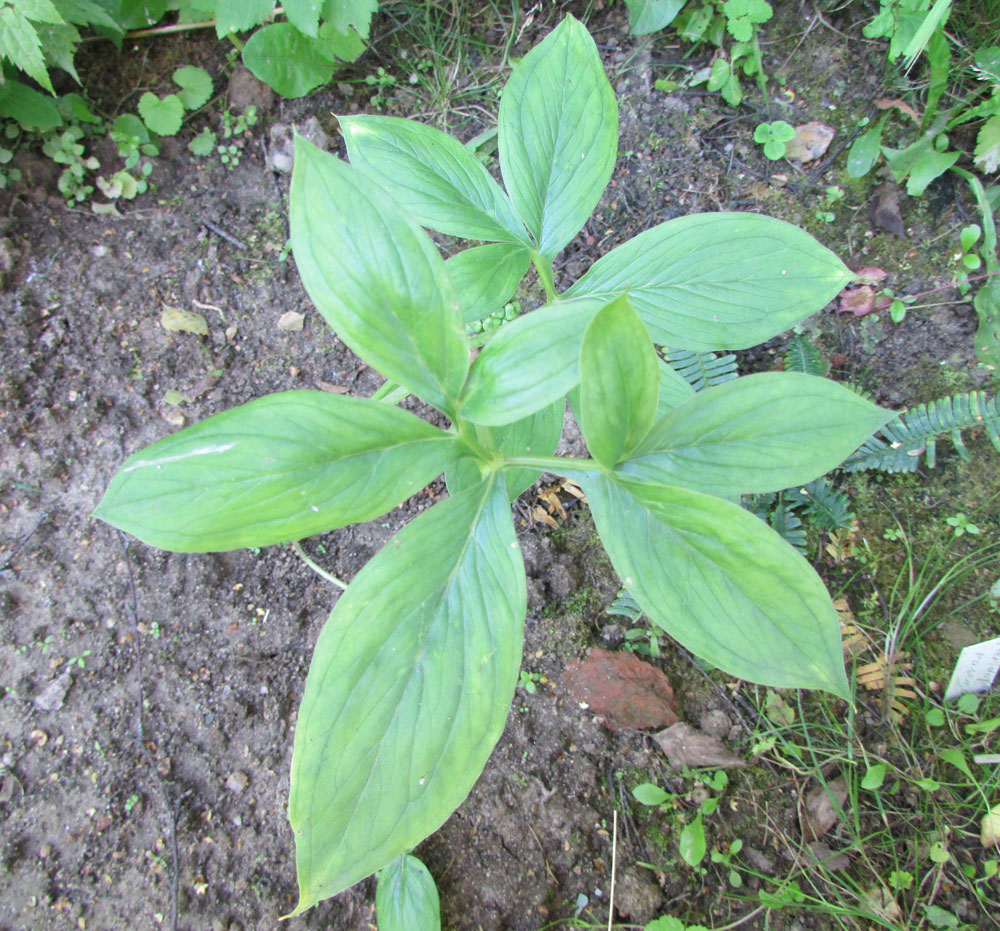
x: 148, y: 699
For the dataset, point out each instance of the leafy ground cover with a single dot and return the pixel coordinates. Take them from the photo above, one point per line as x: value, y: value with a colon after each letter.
x: 148, y: 700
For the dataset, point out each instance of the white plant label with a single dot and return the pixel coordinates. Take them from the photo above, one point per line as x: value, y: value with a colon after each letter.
x: 975, y: 670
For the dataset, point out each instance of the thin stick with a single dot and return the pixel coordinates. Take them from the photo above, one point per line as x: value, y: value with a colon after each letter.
x: 132, y: 610
x: 319, y: 570
x: 219, y: 231
x: 614, y: 855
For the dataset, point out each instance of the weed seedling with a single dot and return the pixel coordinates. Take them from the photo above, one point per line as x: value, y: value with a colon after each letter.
x: 772, y: 138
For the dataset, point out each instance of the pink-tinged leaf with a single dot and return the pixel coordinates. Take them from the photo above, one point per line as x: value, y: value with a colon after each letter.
x: 872, y: 275
x: 857, y: 301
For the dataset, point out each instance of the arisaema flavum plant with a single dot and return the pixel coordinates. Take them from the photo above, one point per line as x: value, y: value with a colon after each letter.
x: 414, y: 672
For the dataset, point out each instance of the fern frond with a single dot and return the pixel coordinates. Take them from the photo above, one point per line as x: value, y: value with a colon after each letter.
x: 804, y: 356
x: 760, y: 505
x: 701, y: 369
x: 787, y: 523
x: 827, y: 507
x: 914, y: 433
x: 624, y: 605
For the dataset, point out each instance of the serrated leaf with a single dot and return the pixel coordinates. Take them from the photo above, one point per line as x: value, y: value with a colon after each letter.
x: 376, y: 277
x: 558, y: 135
x: 304, y: 15
x: 408, y: 691
x: 406, y: 898
x: 28, y: 107
x: 619, y: 382
x: 756, y: 434
x: 41, y: 11
x: 433, y: 177
x: 339, y: 44
x: 646, y: 16
x: 287, y: 60
x: 718, y: 280
x: 720, y: 581
x: 487, y: 276
x: 345, y: 15
x: 19, y: 44
x: 240, y: 15
x: 529, y: 364
x: 162, y: 116
x: 60, y: 43
x: 277, y: 469
x: 195, y: 84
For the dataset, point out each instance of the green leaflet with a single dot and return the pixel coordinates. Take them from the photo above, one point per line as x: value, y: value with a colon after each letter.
x: 408, y: 690
x: 287, y: 60
x: 718, y: 280
x: 756, y: 434
x: 376, y: 277
x: 558, y: 135
x: 435, y: 178
x: 240, y: 15
x: 720, y: 581
x: 646, y: 16
x: 619, y: 382
x: 529, y: 364
x: 277, y: 469
x: 304, y: 15
x: 535, y: 435
x: 406, y: 898
x: 487, y: 276
x: 674, y: 389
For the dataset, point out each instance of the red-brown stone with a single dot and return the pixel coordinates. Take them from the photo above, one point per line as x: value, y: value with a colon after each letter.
x: 622, y: 689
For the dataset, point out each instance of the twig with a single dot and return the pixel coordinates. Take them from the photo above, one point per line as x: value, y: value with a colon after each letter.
x: 132, y: 609
x: 209, y: 225
x: 23, y: 541
x: 614, y: 856
x: 319, y: 570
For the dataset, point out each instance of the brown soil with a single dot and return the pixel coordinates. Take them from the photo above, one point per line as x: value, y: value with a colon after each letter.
x: 161, y: 775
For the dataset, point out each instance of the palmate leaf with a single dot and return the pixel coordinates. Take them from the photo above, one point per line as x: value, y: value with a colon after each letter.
x: 558, y: 135
x: 718, y: 280
x: 756, y: 434
x: 377, y: 278
x: 720, y: 581
x: 432, y: 176
x: 408, y: 690
x: 277, y: 469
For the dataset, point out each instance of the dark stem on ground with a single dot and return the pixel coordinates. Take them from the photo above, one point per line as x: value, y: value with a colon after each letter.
x: 132, y: 611
x: 20, y: 545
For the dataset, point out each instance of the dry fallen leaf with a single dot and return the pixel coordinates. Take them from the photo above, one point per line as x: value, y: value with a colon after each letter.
x: 811, y: 140
x: 685, y: 745
x: 183, y: 321
x: 989, y: 828
x: 887, y: 103
x: 883, y: 209
x: 820, y: 812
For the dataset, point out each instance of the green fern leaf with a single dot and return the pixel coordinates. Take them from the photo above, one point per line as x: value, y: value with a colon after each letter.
x: 701, y: 369
x: 900, y: 444
x: 804, y: 356
x: 826, y: 507
x: 625, y: 606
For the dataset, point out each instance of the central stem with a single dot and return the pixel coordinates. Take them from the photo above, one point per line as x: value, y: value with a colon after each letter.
x: 559, y: 465
x: 544, y: 268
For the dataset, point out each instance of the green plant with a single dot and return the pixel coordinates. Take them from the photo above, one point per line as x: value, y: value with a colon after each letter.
x: 772, y: 138
x: 413, y: 675
x: 382, y: 84
x: 961, y: 524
